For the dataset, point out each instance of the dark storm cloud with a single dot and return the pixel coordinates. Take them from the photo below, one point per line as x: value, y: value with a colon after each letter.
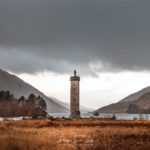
x: 60, y: 35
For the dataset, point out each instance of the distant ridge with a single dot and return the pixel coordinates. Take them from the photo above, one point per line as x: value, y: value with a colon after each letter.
x: 66, y: 105
x: 140, y: 99
x: 135, y: 96
x: 20, y: 88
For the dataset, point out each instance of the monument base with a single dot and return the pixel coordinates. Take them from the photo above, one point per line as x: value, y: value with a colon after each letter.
x: 75, y: 116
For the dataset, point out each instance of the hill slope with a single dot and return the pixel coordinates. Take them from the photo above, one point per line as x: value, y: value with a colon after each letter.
x: 135, y: 96
x: 20, y: 88
x: 140, y: 99
x: 66, y: 105
x: 144, y: 101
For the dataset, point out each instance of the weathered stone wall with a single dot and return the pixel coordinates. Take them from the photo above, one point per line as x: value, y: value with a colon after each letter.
x: 74, y: 97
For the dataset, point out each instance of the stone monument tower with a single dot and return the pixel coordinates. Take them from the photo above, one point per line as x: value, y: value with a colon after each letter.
x: 74, y: 96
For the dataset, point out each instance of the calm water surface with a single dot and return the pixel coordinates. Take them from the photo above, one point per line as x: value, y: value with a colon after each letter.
x: 90, y: 115
x: 106, y: 115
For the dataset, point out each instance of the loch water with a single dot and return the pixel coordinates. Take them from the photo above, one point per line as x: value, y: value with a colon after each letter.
x: 106, y: 116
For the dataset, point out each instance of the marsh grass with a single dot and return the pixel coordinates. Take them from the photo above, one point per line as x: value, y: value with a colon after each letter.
x: 45, y: 134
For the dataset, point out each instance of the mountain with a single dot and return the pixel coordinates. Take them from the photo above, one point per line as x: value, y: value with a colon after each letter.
x: 66, y: 105
x: 136, y: 95
x: 20, y: 88
x: 138, y: 102
x: 144, y: 101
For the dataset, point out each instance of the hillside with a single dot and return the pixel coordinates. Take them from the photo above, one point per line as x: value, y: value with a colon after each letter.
x: 144, y: 101
x: 135, y: 96
x: 139, y: 101
x: 20, y: 88
x: 66, y: 105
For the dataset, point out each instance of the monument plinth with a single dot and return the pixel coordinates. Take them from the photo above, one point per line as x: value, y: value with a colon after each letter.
x: 74, y: 96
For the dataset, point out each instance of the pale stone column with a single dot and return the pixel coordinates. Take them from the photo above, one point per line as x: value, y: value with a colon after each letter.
x: 74, y: 97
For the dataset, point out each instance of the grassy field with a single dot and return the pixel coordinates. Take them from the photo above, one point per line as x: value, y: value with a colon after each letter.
x: 84, y: 134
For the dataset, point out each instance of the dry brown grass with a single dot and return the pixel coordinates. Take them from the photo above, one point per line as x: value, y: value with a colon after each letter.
x: 45, y: 134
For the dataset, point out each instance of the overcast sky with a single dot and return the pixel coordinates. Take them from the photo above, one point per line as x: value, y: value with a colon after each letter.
x: 96, y: 37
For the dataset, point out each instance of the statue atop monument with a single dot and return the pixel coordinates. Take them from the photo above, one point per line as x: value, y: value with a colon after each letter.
x: 75, y: 73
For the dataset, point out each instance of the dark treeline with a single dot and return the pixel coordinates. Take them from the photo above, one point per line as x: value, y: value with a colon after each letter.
x: 135, y: 109
x: 33, y: 106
